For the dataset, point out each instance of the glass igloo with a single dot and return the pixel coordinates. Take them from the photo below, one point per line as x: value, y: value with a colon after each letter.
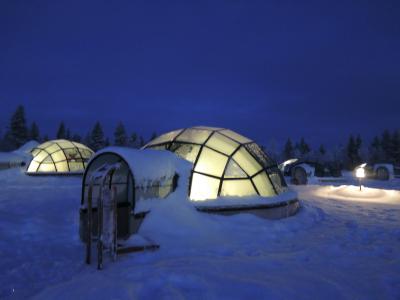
x: 59, y: 157
x: 225, y: 163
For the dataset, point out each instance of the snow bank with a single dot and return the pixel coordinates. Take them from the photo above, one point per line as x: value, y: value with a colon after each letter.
x: 243, y: 201
x: 17, y: 157
x: 353, y: 193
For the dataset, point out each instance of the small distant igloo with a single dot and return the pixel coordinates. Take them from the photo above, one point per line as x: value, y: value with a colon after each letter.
x: 59, y: 157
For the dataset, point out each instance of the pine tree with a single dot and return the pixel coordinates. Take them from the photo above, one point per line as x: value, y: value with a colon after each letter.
x: 61, y: 132
x: 395, y: 147
x: 386, y: 145
x: 76, y: 138
x: 18, y: 132
x: 353, y: 152
x: 68, y: 134
x: 34, y: 132
x: 322, y: 150
x: 96, y: 138
x: 303, y: 148
x: 375, y: 150
x: 357, y: 153
x: 288, y: 150
x: 351, y: 144
x: 133, y: 142
x: 120, y: 138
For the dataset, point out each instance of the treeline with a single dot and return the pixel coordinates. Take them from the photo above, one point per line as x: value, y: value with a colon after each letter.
x: 18, y: 132
x: 383, y: 148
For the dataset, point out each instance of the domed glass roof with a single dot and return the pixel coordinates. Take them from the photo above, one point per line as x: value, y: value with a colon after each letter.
x: 59, y: 156
x: 225, y: 163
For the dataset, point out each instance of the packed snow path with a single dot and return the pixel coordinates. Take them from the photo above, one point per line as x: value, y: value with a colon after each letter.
x: 338, y: 247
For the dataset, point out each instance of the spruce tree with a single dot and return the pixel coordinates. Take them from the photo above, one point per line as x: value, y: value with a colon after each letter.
x: 350, y: 148
x: 18, y: 133
x: 68, y: 134
x: 303, y: 148
x: 353, y: 152
x: 375, y: 150
x: 120, y: 138
x: 322, y: 150
x: 61, y: 132
x: 395, y: 147
x: 288, y: 150
x: 386, y: 145
x: 76, y: 138
x: 357, y: 154
x: 34, y: 132
x: 96, y: 138
x: 133, y: 140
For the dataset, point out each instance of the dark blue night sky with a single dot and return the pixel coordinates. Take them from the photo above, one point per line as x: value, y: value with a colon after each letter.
x: 267, y: 69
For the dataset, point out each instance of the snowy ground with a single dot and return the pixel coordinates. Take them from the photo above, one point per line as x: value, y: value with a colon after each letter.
x: 343, y: 244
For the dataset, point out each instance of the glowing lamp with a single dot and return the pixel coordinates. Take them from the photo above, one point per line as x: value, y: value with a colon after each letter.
x: 360, y: 173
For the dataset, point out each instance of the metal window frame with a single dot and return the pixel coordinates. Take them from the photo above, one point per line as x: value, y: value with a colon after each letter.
x: 264, y: 167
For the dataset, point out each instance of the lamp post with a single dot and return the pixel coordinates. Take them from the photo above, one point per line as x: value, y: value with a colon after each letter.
x: 360, y: 173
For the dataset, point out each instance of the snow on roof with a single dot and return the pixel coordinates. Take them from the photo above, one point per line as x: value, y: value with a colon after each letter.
x: 22, y: 154
x: 149, y: 164
x: 27, y: 147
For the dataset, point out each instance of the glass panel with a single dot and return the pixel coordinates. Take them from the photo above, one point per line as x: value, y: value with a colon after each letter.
x: 207, y: 128
x: 234, y: 171
x: 65, y: 144
x: 62, y: 166
x: 44, y: 145
x: 58, y: 156
x: 211, y: 162
x: 235, y: 136
x: 222, y: 143
x: 47, y: 159
x: 75, y: 166
x: 163, y: 147
x: 35, y: 151
x: 277, y: 180
x: 261, y: 156
x: 47, y: 168
x: 238, y: 188
x: 186, y: 151
x: 203, y: 187
x: 72, y: 154
x: 52, y: 148
x: 86, y: 154
x: 42, y: 155
x: 247, y: 162
x: 33, y: 166
x: 196, y: 136
x: 80, y: 146
x: 167, y: 137
x: 263, y: 185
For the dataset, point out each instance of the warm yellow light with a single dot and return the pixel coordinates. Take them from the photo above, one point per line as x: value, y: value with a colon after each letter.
x: 360, y: 172
x: 203, y: 187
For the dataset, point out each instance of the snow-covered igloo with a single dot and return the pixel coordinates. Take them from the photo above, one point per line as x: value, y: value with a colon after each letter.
x: 140, y: 175
x: 59, y: 157
x: 227, y: 166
